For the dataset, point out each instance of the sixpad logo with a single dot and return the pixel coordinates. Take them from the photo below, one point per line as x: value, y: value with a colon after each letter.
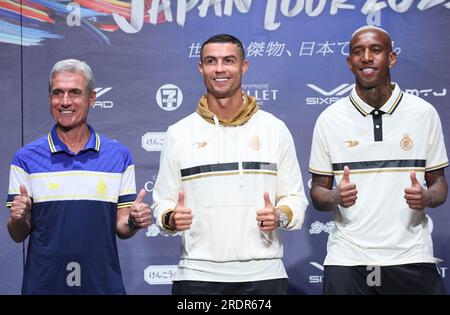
x: 99, y: 102
x: 316, y: 278
x: 328, y: 97
x: 169, y: 97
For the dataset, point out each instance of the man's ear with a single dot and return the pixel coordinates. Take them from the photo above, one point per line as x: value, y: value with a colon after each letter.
x: 392, y: 59
x: 92, y: 97
x: 349, y: 65
x: 244, y: 66
x: 200, y: 67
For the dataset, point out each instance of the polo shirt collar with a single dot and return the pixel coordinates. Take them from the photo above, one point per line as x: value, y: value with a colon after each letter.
x: 388, y: 108
x: 56, y: 145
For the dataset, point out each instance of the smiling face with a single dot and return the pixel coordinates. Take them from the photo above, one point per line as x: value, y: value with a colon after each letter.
x: 370, y: 58
x: 222, y: 68
x: 70, y: 100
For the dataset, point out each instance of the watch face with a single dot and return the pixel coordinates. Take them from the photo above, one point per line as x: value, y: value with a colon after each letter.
x: 167, y: 218
x: 283, y: 220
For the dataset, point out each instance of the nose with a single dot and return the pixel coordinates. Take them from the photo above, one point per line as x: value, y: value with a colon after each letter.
x: 66, y: 99
x: 219, y: 66
x: 367, y: 56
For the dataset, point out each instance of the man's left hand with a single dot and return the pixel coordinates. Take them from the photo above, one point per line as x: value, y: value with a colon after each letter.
x: 140, y: 212
x: 415, y: 195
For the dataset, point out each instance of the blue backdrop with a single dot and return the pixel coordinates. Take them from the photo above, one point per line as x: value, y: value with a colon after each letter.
x: 144, y: 55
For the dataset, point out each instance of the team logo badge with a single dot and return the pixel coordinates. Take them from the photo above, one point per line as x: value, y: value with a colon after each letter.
x: 255, y: 143
x: 101, y: 188
x: 406, y: 142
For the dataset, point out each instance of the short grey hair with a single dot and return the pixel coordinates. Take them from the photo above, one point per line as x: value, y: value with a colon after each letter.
x: 73, y: 66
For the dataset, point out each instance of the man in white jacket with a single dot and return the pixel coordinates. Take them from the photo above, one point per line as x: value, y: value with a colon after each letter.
x: 229, y: 179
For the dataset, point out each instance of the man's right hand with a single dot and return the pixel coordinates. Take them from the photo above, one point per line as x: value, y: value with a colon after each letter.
x: 347, y: 192
x: 181, y: 218
x: 21, y: 206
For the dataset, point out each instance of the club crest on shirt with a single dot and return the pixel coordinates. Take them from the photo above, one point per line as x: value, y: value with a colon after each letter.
x: 102, y: 189
x: 255, y: 143
x: 406, y: 143
x: 53, y: 186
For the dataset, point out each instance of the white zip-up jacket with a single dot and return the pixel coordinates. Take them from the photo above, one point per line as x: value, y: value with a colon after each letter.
x: 224, y: 173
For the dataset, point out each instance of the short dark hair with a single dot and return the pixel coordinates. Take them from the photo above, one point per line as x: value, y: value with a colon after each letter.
x: 224, y: 38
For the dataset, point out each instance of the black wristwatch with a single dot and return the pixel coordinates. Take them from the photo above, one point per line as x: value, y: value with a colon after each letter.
x: 166, y: 220
x: 131, y: 224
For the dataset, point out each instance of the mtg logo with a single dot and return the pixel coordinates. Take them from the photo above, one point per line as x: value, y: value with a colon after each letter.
x: 169, y: 97
x: 100, y: 101
x: 328, y: 97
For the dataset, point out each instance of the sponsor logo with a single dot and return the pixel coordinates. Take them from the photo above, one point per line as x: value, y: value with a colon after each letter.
x: 351, y: 143
x: 442, y: 271
x: 262, y: 92
x: 148, y: 185
x: 103, y: 104
x: 153, y: 230
x: 200, y: 144
x: 73, y: 278
x: 153, y: 141
x: 316, y: 278
x: 427, y: 92
x: 160, y: 274
x: 169, y: 97
x: 318, y: 227
x: 328, y: 97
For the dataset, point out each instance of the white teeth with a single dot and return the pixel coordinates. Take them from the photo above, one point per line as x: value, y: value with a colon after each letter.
x: 220, y: 79
x: 66, y: 112
x: 368, y: 70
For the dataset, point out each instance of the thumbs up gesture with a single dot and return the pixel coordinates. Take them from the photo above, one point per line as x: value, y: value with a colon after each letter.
x: 347, y: 191
x: 140, y: 212
x: 415, y: 194
x: 21, y: 206
x: 267, y: 217
x: 181, y: 219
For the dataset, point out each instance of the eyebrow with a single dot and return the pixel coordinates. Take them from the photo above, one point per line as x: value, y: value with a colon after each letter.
x: 218, y: 57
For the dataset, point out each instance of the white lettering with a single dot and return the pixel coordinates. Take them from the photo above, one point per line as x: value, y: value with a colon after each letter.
x: 402, y: 7
x: 374, y: 278
x: 299, y: 5
x: 203, y: 8
x: 318, y: 10
x: 339, y: 4
x: 270, y: 15
x: 426, y: 4
x: 374, y: 18
x: 137, y: 18
x: 243, y: 6
x: 156, y: 8
x: 372, y: 6
x: 183, y: 8
x: 74, y: 277
x: 74, y: 17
